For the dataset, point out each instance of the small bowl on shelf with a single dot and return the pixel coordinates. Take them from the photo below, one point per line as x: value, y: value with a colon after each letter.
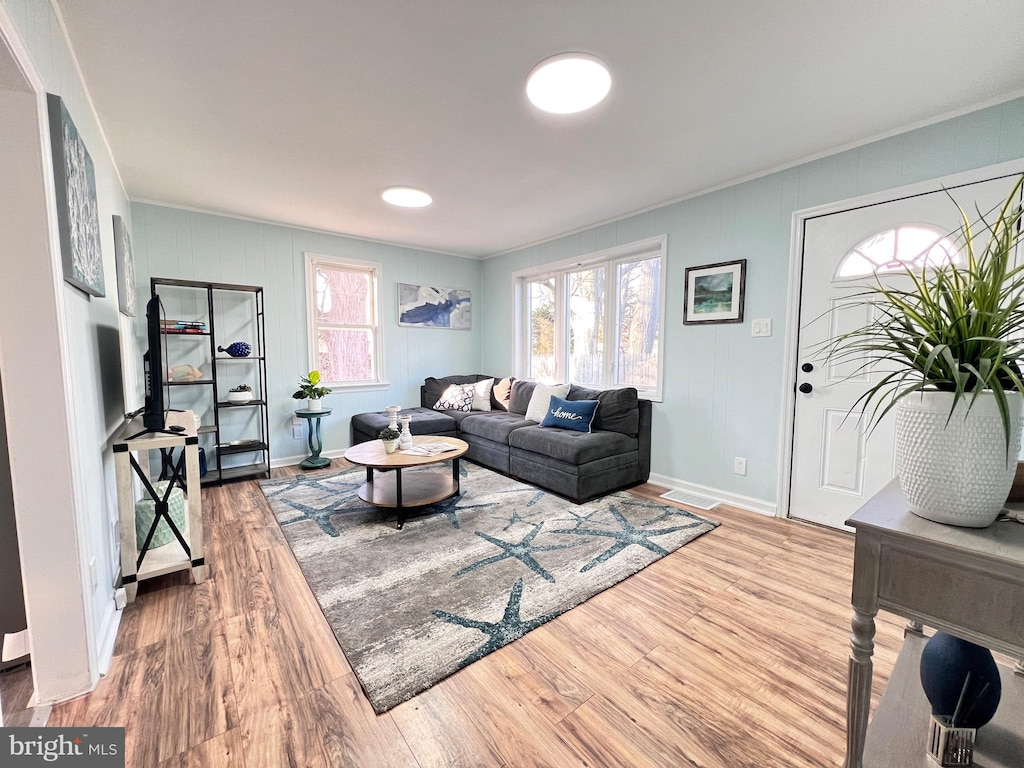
x: 240, y: 395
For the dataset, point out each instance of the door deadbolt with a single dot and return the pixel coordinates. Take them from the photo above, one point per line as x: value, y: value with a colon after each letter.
x: 806, y: 367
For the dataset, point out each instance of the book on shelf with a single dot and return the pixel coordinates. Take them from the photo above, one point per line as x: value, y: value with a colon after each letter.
x: 428, y: 449
x: 166, y: 324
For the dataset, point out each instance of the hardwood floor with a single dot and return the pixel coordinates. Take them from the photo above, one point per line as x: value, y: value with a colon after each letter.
x: 729, y: 652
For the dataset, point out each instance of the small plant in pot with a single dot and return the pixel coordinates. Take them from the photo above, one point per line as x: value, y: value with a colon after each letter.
x: 240, y: 394
x: 949, y: 348
x: 390, y: 437
x: 310, y: 389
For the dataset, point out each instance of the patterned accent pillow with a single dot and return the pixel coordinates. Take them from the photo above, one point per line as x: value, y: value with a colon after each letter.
x: 570, y: 414
x: 458, y: 397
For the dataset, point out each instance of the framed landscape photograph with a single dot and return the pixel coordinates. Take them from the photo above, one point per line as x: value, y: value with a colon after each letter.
x: 422, y: 306
x: 714, y: 293
x: 78, y: 217
x: 125, y: 268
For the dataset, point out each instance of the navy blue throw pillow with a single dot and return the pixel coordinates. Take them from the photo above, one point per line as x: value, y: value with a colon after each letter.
x: 570, y: 414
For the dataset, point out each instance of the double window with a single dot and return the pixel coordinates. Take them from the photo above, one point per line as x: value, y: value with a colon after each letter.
x: 344, y: 321
x: 597, y: 321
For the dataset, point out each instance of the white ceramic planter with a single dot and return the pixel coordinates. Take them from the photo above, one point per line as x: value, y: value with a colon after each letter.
x: 314, y: 404
x: 239, y: 397
x: 390, y: 445
x: 956, y: 470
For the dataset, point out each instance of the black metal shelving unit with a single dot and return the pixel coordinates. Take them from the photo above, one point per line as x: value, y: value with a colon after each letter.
x: 259, y: 445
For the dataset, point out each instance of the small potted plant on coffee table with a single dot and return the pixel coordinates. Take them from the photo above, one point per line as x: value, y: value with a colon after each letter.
x: 390, y: 437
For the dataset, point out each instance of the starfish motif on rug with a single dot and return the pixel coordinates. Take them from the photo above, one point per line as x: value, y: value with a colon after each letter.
x: 305, y: 481
x: 450, y: 506
x: 521, y: 550
x: 581, y: 519
x: 670, y: 513
x: 626, y: 536
x: 515, y: 517
x: 510, y: 627
x: 321, y: 516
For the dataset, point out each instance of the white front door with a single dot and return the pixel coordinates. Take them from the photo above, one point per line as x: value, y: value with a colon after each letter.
x: 837, y: 463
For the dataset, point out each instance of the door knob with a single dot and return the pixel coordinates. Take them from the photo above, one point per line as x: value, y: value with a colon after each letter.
x: 805, y: 388
x: 806, y: 367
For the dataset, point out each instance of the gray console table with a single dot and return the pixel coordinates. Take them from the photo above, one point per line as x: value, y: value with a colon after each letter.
x: 967, y: 582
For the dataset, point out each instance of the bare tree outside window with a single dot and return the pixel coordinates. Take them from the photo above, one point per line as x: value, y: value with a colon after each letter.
x: 345, y: 323
x: 570, y: 315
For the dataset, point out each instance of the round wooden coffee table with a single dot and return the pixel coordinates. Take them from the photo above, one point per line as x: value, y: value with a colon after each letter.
x: 416, y: 490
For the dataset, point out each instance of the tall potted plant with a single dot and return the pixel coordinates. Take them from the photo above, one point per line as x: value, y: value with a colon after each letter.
x: 950, y: 346
x: 310, y: 389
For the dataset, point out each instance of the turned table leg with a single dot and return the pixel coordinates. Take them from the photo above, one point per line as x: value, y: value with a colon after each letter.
x: 858, y: 701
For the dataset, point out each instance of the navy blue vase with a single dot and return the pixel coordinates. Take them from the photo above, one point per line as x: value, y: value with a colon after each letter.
x: 238, y: 349
x: 945, y: 663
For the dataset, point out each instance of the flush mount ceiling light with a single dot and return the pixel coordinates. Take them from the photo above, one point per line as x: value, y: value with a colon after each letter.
x: 406, y: 197
x: 568, y: 83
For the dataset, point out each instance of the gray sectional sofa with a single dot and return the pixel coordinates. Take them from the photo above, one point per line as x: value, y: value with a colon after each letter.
x: 616, y: 454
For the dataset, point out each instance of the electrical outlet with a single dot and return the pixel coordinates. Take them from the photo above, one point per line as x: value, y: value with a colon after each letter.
x: 739, y: 466
x: 297, y: 433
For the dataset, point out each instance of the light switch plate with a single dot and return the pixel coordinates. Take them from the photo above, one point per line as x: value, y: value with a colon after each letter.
x: 761, y: 327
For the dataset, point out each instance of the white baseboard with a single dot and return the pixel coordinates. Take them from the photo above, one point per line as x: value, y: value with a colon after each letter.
x: 108, y: 635
x: 732, y: 499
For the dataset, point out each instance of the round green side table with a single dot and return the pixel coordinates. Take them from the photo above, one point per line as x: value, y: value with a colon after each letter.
x: 314, y: 460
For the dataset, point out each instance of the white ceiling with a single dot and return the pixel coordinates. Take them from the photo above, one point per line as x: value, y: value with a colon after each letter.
x: 302, y: 112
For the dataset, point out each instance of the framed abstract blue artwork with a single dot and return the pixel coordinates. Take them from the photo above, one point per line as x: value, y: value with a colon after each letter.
x: 78, y: 217
x: 421, y: 306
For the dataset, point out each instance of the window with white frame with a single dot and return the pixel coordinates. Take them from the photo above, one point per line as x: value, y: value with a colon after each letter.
x: 344, y: 321
x: 597, y: 320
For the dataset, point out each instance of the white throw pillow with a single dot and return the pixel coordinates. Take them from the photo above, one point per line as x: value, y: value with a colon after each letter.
x: 482, y: 395
x: 541, y: 400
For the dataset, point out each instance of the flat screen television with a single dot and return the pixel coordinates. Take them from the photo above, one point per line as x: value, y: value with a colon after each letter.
x: 153, y: 366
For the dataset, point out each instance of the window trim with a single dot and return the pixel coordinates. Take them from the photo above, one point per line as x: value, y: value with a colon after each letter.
x: 654, y: 247
x: 336, y: 262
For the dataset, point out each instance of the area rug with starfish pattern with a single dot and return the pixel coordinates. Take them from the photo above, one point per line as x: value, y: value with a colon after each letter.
x: 473, y: 573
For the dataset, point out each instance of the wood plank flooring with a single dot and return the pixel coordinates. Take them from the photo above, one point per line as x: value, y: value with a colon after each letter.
x: 730, y: 652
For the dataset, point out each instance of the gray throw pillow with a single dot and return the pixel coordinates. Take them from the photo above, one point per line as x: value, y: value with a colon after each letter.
x: 522, y: 391
x: 619, y: 410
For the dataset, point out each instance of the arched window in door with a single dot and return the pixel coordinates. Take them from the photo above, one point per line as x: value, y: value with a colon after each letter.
x: 910, y: 246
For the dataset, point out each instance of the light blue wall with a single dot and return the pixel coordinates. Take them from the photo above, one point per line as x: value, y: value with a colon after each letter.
x: 175, y: 243
x: 723, y: 389
x: 93, y: 325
